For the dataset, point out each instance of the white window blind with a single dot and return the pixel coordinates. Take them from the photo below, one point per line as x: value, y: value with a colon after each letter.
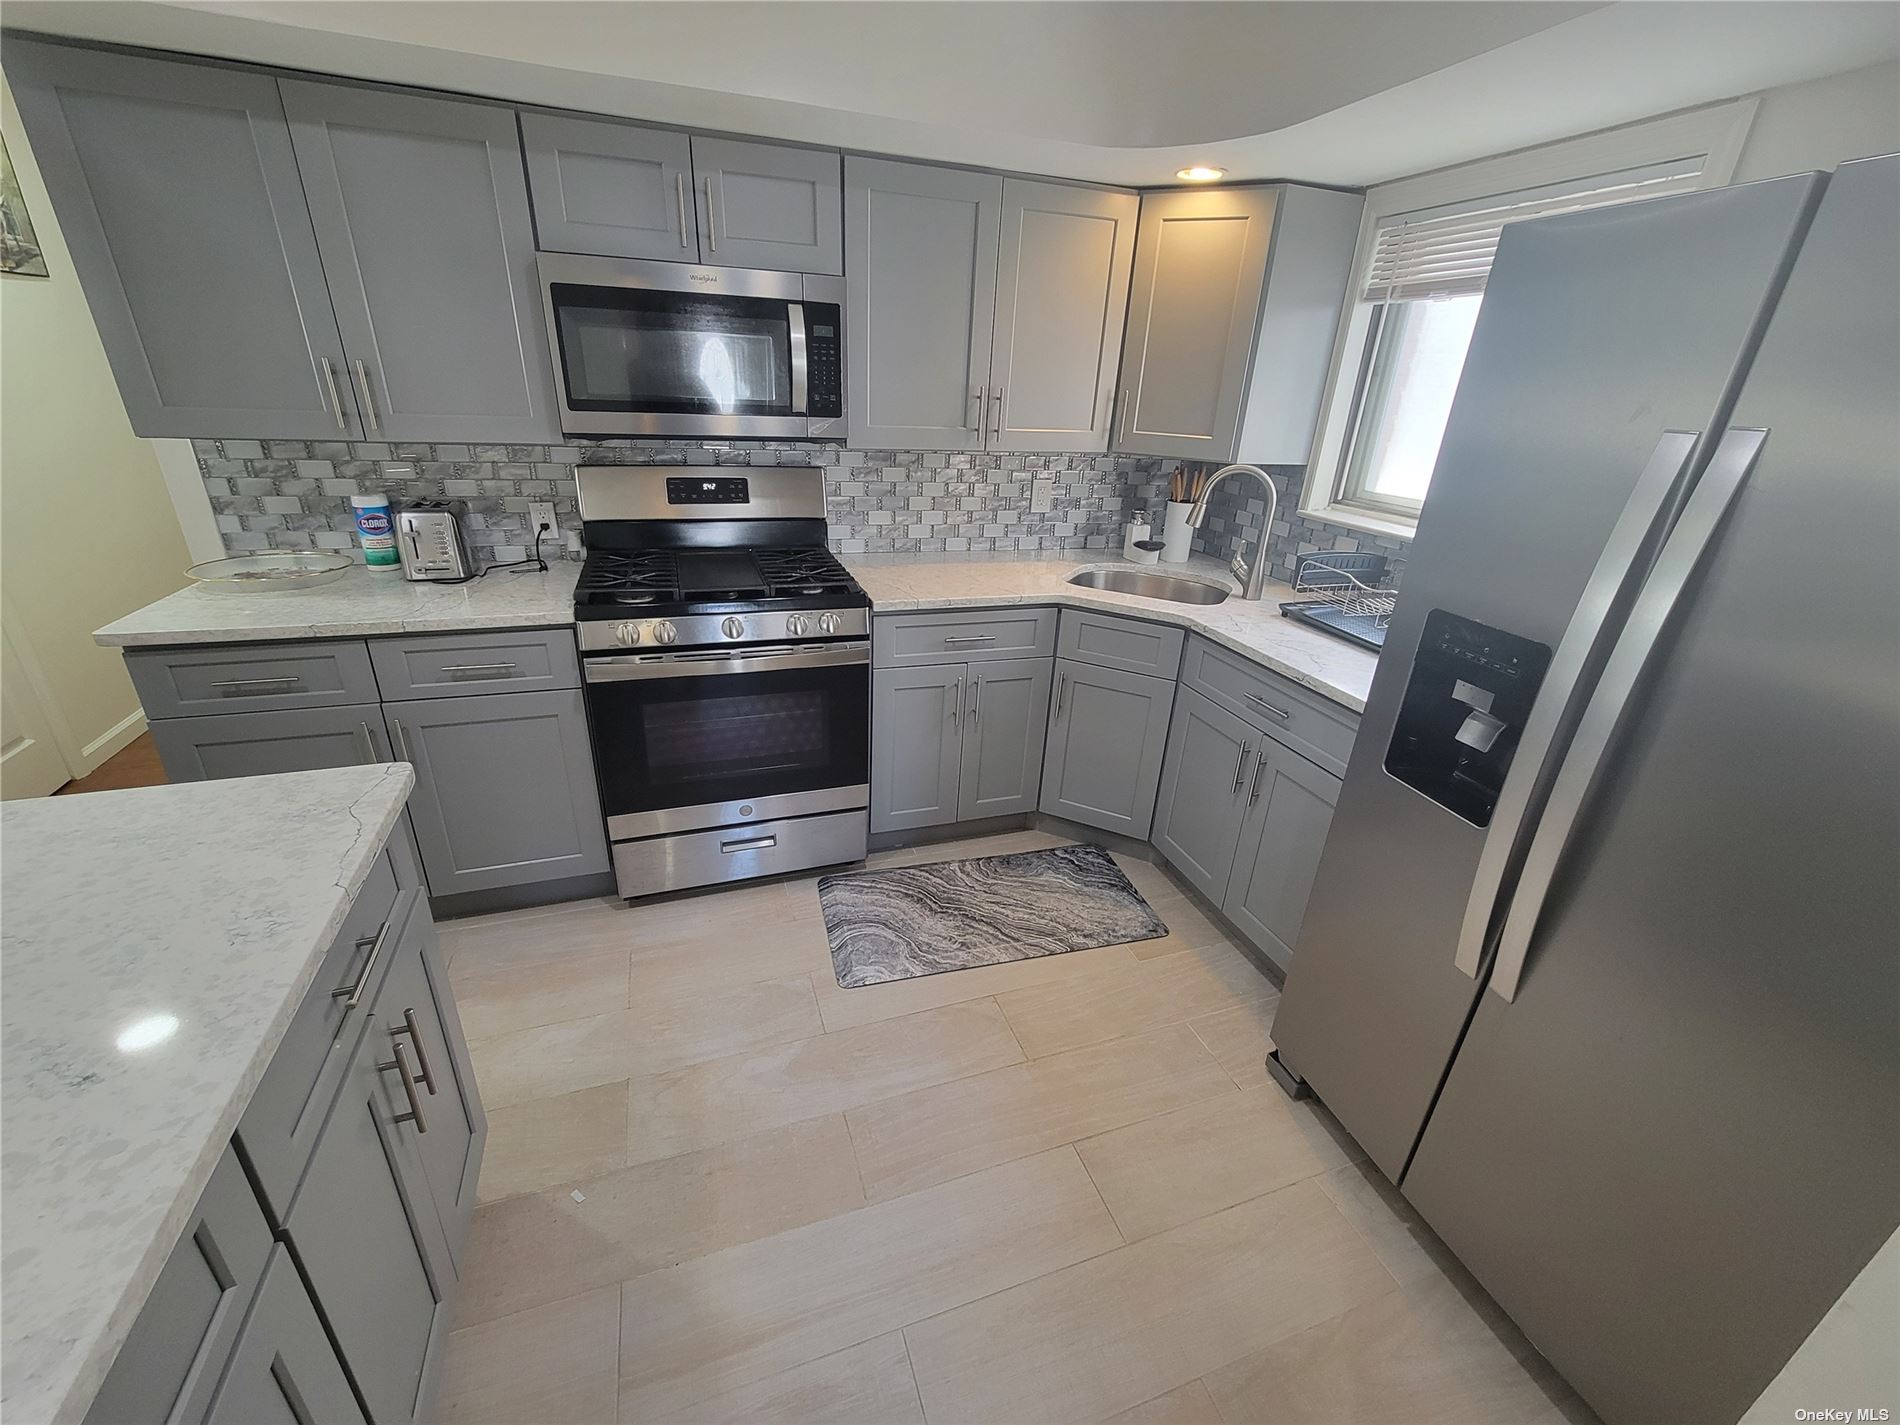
x: 1447, y: 252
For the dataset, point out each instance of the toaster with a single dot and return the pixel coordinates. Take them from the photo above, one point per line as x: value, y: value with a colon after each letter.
x: 430, y: 539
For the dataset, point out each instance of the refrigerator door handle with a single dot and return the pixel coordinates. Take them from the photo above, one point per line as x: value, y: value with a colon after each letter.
x: 1688, y: 545
x: 1530, y: 773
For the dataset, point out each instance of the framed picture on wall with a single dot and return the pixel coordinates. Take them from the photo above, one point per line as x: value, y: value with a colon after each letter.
x: 19, y: 249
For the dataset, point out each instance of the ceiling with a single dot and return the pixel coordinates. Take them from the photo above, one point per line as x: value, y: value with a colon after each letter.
x: 1331, y: 92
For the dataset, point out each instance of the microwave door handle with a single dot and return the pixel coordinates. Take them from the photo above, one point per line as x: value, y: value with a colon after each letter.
x: 801, y: 368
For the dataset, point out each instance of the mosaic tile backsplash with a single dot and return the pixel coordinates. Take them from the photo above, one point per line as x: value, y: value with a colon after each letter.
x: 296, y: 495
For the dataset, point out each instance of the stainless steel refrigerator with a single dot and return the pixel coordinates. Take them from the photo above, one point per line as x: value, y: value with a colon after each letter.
x: 1602, y: 964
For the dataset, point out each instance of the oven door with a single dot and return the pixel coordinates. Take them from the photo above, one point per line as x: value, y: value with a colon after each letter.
x: 686, y: 741
x: 661, y: 348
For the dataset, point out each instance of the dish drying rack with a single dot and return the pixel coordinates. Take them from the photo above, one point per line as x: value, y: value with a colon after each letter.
x: 1347, y: 593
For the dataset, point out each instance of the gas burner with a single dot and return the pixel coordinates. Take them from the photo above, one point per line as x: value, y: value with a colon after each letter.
x: 631, y: 579
x: 803, y: 571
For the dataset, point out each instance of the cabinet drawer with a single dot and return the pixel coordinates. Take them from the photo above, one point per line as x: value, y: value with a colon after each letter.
x: 963, y: 636
x: 175, y: 1353
x: 184, y: 682
x: 1132, y: 645
x: 456, y: 664
x: 1296, y: 716
x: 280, y: 1126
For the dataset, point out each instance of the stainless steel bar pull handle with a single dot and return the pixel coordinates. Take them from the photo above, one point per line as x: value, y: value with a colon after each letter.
x: 956, y: 703
x: 1688, y: 544
x: 976, y: 411
x: 477, y: 667
x: 1259, y: 766
x: 370, y: 417
x: 712, y: 218
x: 1240, y: 767
x: 962, y: 638
x: 336, y: 396
x: 402, y: 742
x: 1554, y: 712
x: 288, y: 680
x: 1062, y: 684
x: 352, y: 994
x: 1122, y: 435
x: 1266, y: 707
x: 679, y: 180
x: 369, y: 742
x: 976, y: 700
x: 751, y: 843
x: 996, y: 413
x: 409, y: 1027
x: 401, y: 1065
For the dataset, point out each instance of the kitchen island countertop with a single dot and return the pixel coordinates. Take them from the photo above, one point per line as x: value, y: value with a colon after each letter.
x: 156, y: 944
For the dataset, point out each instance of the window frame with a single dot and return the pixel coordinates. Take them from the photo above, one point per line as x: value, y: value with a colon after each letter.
x: 1715, y: 133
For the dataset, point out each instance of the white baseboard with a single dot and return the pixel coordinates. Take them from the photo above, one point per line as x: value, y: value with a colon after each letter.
x: 113, y: 739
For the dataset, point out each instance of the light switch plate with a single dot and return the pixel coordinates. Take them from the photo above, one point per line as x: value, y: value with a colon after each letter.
x: 1042, y: 495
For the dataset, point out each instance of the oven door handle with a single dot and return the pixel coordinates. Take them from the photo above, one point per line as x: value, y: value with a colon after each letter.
x: 795, y: 321
x: 702, y: 665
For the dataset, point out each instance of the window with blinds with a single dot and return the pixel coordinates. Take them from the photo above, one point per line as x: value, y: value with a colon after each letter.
x: 1447, y: 252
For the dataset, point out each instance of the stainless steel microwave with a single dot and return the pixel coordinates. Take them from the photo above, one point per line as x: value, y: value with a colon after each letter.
x: 663, y: 348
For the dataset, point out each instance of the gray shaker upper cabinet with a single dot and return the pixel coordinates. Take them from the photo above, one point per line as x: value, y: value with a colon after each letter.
x: 1236, y: 297
x: 614, y: 190
x: 421, y: 212
x: 1061, y: 296
x: 920, y: 293
x: 178, y: 193
x: 768, y: 205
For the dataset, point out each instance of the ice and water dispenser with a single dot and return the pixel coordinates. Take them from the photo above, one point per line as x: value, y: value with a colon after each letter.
x: 1464, y: 710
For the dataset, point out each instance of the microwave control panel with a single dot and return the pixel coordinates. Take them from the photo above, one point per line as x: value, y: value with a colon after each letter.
x: 824, y: 360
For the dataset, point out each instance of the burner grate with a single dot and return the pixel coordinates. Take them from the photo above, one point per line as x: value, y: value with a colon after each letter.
x: 810, y: 570
x: 648, y: 576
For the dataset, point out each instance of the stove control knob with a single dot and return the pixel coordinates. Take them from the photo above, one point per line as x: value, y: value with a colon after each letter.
x: 796, y: 624
x: 664, y: 632
x: 827, y: 623
x: 626, y: 634
x: 733, y: 628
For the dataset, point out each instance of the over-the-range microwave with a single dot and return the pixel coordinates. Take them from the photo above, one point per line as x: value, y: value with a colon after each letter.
x: 664, y: 348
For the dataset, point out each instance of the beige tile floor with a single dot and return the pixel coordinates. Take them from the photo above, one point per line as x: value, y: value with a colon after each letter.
x: 720, y: 1188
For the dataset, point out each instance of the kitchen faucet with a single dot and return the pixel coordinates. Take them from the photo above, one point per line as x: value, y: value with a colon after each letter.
x: 1251, y: 577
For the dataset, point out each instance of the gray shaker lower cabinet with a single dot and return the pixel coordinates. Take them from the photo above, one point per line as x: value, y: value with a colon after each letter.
x: 253, y: 744
x: 505, y: 792
x: 1290, y: 809
x: 366, y: 1230
x: 1005, y: 723
x: 916, y: 746
x: 283, y: 1368
x: 1107, y: 733
x: 1203, y: 797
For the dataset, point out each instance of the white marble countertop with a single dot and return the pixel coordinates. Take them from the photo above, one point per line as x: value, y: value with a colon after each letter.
x: 361, y: 603
x: 1258, y: 631
x: 207, y: 903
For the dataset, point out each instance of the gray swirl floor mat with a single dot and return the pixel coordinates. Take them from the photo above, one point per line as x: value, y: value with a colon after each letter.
x: 904, y: 921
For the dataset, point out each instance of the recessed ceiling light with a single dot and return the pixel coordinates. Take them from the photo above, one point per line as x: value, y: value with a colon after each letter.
x: 1200, y: 173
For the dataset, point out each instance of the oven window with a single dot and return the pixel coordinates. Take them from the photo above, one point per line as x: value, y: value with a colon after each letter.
x: 662, y: 743
x: 686, y: 352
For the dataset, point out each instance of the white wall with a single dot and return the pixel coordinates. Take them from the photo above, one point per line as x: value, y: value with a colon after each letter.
x: 1823, y: 122
x: 87, y: 529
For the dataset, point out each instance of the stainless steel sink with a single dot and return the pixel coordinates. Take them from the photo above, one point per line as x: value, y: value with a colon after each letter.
x: 1150, y: 586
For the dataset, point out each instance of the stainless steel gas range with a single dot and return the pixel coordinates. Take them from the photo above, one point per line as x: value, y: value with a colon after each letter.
x: 726, y: 660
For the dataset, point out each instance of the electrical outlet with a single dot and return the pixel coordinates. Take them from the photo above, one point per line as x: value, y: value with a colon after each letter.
x: 541, y: 512
x: 1042, y: 496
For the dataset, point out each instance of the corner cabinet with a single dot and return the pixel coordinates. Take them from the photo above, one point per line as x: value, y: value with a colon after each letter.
x: 421, y: 214
x: 179, y: 195
x: 984, y: 312
x: 1107, y: 732
x: 1236, y: 297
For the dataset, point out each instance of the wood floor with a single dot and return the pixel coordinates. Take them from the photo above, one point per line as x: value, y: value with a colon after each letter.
x: 720, y: 1188
x: 134, y: 765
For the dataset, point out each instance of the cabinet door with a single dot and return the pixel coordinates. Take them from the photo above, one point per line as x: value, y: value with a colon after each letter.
x: 1290, y: 806
x: 284, y: 1368
x: 1107, y: 735
x: 415, y: 1008
x: 505, y: 792
x: 177, y: 192
x: 916, y: 745
x: 920, y: 294
x: 1005, y: 725
x: 251, y: 744
x: 610, y: 189
x: 1200, y: 266
x: 1061, y: 296
x: 364, y: 1227
x: 421, y: 213
x: 1203, y: 791
x: 765, y: 205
